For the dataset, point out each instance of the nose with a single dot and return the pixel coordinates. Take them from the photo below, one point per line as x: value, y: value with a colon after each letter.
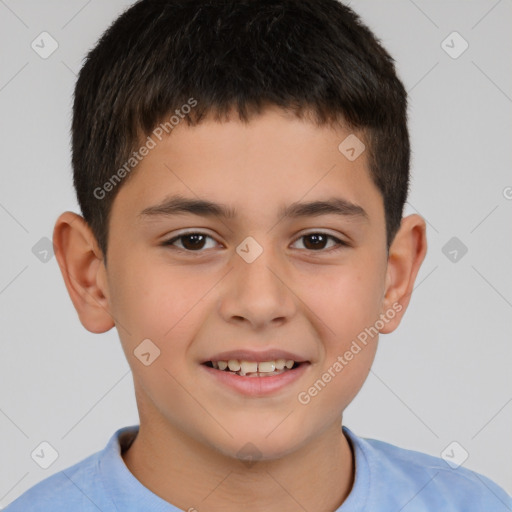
x: 257, y: 293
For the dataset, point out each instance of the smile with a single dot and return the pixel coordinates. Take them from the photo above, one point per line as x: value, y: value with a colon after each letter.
x: 255, y: 378
x: 254, y: 368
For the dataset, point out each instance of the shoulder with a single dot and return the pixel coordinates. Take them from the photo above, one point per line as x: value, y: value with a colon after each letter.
x: 418, y: 481
x: 78, y: 487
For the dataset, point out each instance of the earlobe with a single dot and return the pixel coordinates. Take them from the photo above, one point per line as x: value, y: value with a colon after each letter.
x: 81, y: 264
x: 406, y: 255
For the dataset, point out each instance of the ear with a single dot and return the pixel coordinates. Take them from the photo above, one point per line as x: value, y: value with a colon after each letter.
x: 82, y: 267
x: 406, y: 254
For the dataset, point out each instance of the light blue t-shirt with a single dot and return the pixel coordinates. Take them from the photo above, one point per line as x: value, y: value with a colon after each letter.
x: 387, y: 479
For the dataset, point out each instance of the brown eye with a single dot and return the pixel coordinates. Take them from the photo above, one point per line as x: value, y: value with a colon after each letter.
x: 192, y: 242
x: 318, y: 241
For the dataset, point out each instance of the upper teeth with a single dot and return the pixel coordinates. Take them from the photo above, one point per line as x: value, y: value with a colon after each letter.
x: 245, y: 367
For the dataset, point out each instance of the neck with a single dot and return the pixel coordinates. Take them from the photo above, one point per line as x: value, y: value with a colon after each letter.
x: 187, y: 473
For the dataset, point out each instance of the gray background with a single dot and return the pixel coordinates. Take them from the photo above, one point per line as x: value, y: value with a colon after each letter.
x: 443, y: 376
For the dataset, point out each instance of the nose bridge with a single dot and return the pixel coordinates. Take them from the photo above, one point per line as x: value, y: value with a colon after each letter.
x: 256, y: 290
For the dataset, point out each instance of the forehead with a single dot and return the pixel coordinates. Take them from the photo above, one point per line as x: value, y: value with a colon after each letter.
x: 255, y: 168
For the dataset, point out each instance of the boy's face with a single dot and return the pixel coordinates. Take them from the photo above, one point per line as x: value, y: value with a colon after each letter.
x: 304, y: 295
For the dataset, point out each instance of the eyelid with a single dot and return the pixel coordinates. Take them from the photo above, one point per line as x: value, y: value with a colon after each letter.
x: 338, y: 236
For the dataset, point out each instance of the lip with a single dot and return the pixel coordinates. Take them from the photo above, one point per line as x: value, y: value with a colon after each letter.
x: 257, y: 386
x: 259, y: 356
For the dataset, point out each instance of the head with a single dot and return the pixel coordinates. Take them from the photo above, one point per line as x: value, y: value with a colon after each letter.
x: 240, y: 111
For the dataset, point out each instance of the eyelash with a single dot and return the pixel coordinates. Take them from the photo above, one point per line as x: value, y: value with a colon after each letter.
x: 340, y: 243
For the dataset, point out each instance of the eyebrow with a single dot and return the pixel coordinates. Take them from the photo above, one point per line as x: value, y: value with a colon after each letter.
x: 176, y: 205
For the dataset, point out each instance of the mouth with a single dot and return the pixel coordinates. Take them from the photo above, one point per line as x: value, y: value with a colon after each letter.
x: 244, y: 368
x: 256, y: 373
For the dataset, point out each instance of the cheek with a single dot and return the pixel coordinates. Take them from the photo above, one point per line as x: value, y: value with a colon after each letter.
x: 347, y: 300
x: 151, y: 299
x: 348, y: 308
x: 160, y: 303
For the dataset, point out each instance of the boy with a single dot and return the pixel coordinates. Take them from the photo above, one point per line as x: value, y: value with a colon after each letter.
x: 242, y: 167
